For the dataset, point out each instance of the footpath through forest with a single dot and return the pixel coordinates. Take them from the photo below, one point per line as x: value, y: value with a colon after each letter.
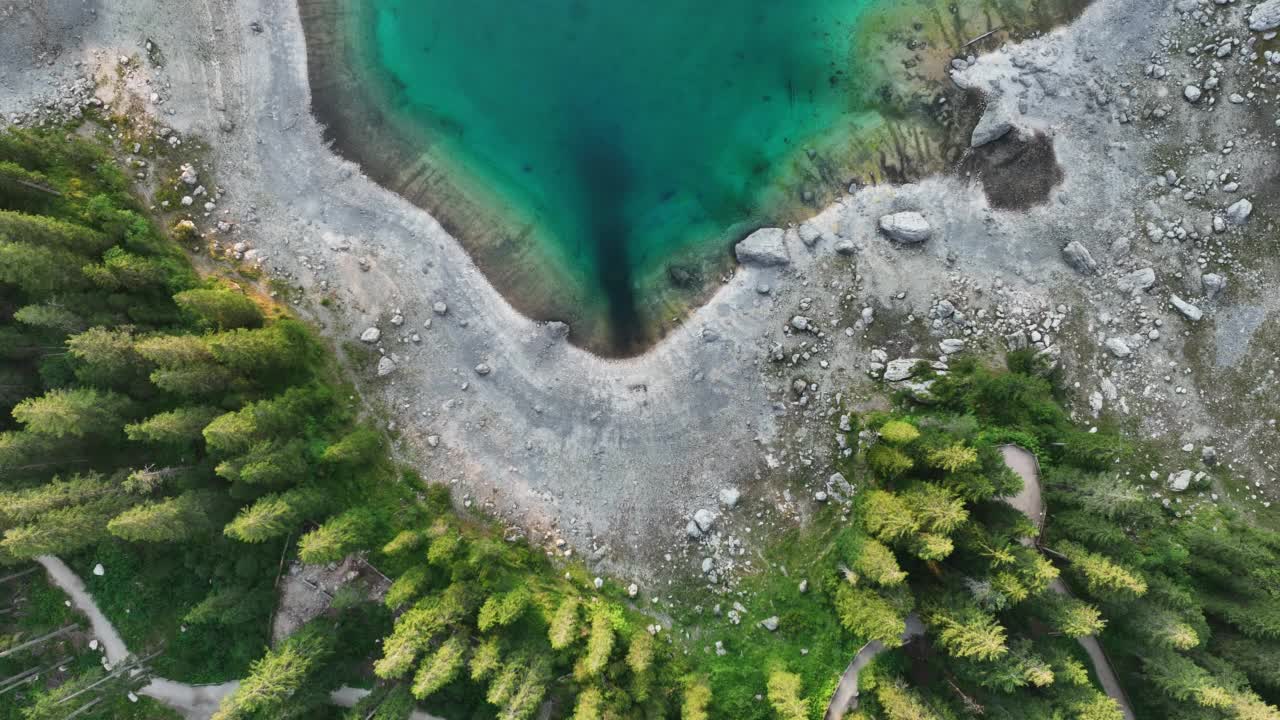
x: 1030, y: 501
x: 193, y: 702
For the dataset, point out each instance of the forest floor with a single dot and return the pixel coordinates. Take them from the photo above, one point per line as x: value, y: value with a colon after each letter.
x: 615, y: 456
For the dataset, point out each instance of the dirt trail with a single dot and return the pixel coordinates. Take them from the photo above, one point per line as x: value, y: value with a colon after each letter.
x: 193, y: 702
x: 1030, y: 502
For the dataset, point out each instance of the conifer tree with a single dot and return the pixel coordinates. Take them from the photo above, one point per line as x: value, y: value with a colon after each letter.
x: 588, y: 705
x: 1073, y: 618
x: 220, y: 308
x: 105, y: 357
x: 965, y: 631
x: 38, y: 272
x: 564, y: 624
x: 599, y: 645
x: 696, y: 700
x: 866, y: 614
x: 63, y: 530
x: 440, y: 668
x: 276, y: 680
x: 503, y: 609
x: 170, y: 520
x: 78, y: 412
x: 640, y: 652
x: 337, y: 537
x: 355, y: 448
x: 406, y: 587
x: 486, y: 659
x: 878, y: 565
x: 274, y: 515
x: 901, y: 703
x: 1103, y: 577
x: 50, y: 315
x: 180, y: 426
x: 887, y: 517
x: 784, y: 696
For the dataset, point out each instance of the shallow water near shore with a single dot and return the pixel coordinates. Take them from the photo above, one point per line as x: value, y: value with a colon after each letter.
x: 600, y: 159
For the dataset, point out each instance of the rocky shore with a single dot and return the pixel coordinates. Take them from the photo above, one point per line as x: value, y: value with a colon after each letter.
x: 1145, y: 268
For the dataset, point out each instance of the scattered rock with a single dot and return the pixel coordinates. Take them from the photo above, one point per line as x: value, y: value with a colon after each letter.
x: 1118, y: 347
x: 766, y: 247
x: 800, y: 322
x: 483, y: 369
x: 821, y: 496
x: 440, y: 308
x: 633, y: 590
x: 1138, y: 280
x: 1192, y: 93
x: 729, y: 497
x: 1191, y: 312
x: 1079, y: 257
x: 371, y: 335
x: 993, y: 126
x: 1209, y: 455
x: 770, y: 623
x: 1180, y: 481
x: 809, y: 234
x: 951, y: 346
x: 906, y: 227
x: 1239, y: 212
x: 99, y: 570
x: 900, y: 369
x: 1213, y: 284
x: 598, y: 582
x: 704, y: 519
x: 386, y: 366
x: 189, y: 175
x: 804, y: 586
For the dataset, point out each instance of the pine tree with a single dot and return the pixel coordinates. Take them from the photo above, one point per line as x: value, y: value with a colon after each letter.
x: 337, y: 537
x: 1103, y: 577
x: 355, y: 448
x: 38, y: 272
x: 169, y: 520
x: 899, y: 432
x: 29, y: 504
x: 1073, y: 618
x: 888, y: 461
x: 564, y: 624
x: 954, y: 458
x: 49, y: 232
x: 50, y: 315
x: 406, y: 587
x: 503, y: 609
x: 878, y: 565
x: 275, y: 681
x: 181, y: 426
x: 230, y: 606
x: 441, y: 668
x: 220, y: 308
x: 194, y: 381
x: 967, y: 632
x: 174, y: 351
x: 417, y: 627
x: 405, y: 541
x: 77, y: 413
x: 105, y: 357
x: 486, y: 659
x: 62, y: 531
x: 936, y: 509
x: 901, y: 703
x: 868, y: 615
x: 1164, y: 628
x: 640, y: 652
x: 599, y: 645
x: 281, y: 347
x: 697, y: 698
x: 528, y: 694
x: 784, y: 696
x: 589, y: 704
x: 887, y: 517
x: 274, y: 515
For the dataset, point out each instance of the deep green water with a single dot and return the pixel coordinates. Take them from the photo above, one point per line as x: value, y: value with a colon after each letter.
x: 628, y: 132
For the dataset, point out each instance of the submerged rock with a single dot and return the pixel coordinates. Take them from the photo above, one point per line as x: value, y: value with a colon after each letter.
x: 766, y: 247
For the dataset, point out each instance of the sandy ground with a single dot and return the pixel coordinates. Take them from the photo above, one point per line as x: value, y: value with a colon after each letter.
x: 615, y: 456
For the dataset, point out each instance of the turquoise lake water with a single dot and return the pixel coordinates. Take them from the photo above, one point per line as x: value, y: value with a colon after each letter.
x: 627, y: 132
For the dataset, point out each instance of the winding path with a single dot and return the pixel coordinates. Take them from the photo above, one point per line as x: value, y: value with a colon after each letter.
x: 193, y: 702
x: 1030, y: 501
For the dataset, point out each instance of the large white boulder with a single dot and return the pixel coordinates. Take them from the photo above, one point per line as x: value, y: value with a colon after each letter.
x: 906, y: 227
x: 1265, y: 17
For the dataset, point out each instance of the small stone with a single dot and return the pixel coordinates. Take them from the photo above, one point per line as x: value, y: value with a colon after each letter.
x: 1239, y: 212
x: 598, y: 583
x: 633, y: 590
x: 1213, y: 284
x: 371, y: 335
x: 99, y: 570
x: 821, y: 496
x: 991, y: 127
x: 1118, y: 347
x: 1079, y: 257
x: 770, y: 623
x: 483, y: 369
x: 1191, y: 312
x: 704, y: 519
x: 93, y: 644
x: 1138, y: 280
x: 1180, y: 481
x: 729, y: 496
x: 1192, y: 93
x: 951, y: 346
x: 1209, y: 455
x: 440, y: 308
x: 707, y: 565
x: 386, y: 366
x: 800, y: 322
x: 804, y: 586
